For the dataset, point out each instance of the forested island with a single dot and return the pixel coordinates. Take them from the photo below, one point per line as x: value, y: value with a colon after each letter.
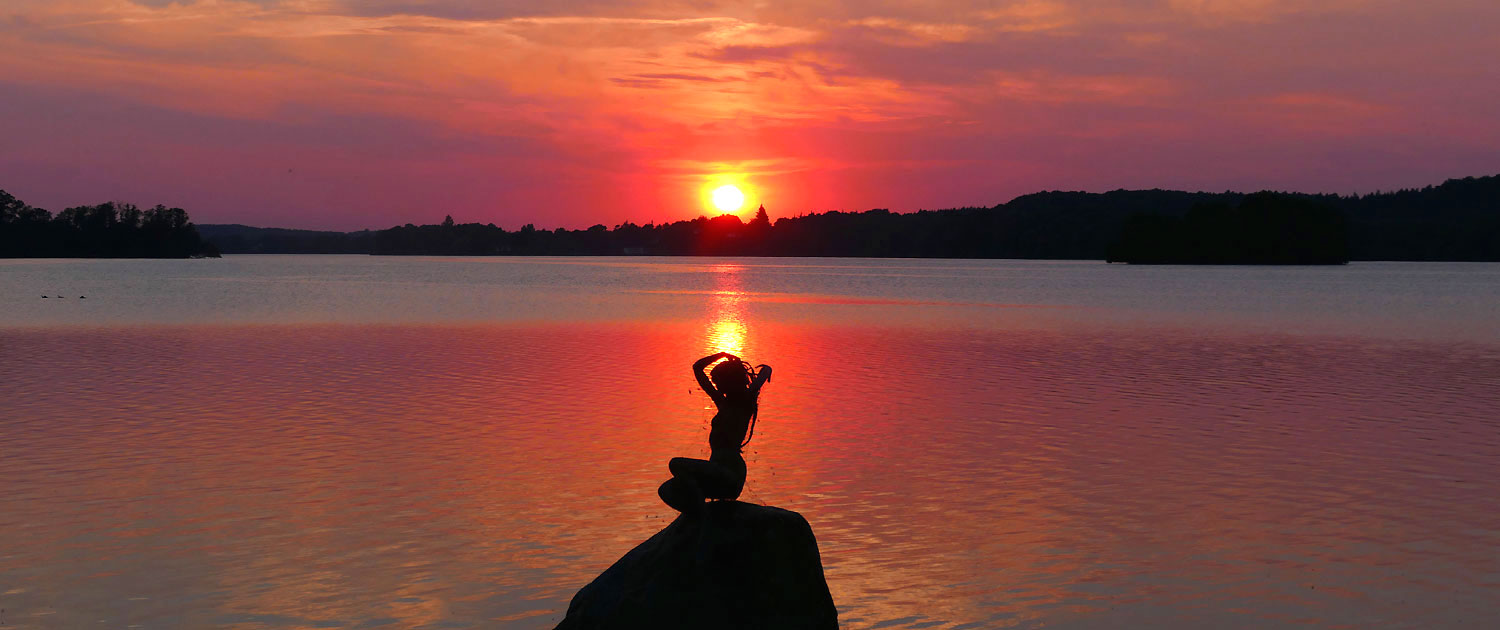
x: 1458, y: 220
x: 106, y: 230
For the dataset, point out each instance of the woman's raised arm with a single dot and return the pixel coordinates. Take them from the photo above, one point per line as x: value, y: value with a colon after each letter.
x: 703, y: 382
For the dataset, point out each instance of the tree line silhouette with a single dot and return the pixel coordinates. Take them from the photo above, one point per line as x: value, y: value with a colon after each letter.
x: 1458, y: 220
x: 106, y: 230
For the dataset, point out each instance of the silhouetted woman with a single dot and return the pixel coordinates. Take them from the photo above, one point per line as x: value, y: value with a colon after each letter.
x: 735, y: 389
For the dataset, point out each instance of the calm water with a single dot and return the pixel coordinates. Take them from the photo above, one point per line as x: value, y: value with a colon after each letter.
x: 355, y: 442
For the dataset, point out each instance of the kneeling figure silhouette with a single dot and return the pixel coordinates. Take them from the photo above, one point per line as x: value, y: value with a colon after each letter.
x: 735, y: 388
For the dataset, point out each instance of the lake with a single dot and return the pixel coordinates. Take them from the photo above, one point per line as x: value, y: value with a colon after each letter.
x: 361, y: 442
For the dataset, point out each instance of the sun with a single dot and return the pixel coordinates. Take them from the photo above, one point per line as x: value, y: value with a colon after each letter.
x: 728, y: 198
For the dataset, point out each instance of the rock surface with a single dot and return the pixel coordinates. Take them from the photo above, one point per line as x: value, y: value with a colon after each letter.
x: 735, y: 565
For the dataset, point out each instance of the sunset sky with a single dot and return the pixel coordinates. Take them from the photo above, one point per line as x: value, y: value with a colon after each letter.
x: 348, y: 114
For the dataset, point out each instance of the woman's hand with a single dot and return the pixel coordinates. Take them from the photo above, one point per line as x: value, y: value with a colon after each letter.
x: 716, y: 356
x: 762, y: 376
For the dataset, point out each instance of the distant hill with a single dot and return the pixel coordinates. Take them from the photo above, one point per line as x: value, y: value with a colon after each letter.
x: 106, y: 230
x: 233, y: 238
x: 1262, y: 229
x: 1458, y: 220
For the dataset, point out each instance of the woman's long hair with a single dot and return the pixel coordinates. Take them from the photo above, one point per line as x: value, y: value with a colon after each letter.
x: 730, y: 372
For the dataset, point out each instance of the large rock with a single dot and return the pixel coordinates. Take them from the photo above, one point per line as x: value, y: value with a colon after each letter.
x: 735, y: 565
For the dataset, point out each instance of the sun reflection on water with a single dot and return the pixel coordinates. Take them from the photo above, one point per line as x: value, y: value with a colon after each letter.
x: 727, y: 329
x: 727, y: 336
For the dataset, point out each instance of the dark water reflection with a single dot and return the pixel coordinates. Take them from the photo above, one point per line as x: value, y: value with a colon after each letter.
x: 477, y: 475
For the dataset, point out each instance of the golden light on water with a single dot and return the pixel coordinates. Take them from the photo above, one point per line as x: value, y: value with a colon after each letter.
x: 727, y: 329
x: 727, y: 335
